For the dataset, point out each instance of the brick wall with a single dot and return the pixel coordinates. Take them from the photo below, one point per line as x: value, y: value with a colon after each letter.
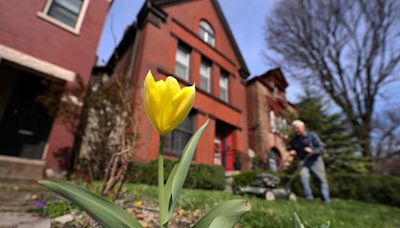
x: 22, y: 29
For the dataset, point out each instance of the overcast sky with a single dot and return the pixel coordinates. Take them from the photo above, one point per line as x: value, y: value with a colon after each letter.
x: 245, y: 17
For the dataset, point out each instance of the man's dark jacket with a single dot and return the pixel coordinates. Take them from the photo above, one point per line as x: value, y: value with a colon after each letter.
x: 309, y: 139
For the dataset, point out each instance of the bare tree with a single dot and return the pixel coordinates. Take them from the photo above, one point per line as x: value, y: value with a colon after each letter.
x: 349, y: 49
x: 386, y: 134
x: 110, y: 135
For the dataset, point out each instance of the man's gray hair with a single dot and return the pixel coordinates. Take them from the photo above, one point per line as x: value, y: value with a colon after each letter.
x: 298, y: 123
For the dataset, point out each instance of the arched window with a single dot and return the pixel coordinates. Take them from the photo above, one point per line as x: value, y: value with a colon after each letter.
x: 206, y: 33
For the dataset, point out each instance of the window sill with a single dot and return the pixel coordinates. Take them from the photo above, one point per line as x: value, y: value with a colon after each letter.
x: 51, y: 20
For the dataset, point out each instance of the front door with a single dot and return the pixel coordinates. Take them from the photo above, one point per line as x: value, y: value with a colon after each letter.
x: 223, y: 152
x: 24, y: 123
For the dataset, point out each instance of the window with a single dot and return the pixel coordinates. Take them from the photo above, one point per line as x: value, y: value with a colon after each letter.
x: 223, y: 86
x: 205, y: 75
x: 282, y: 126
x: 177, y: 139
x: 182, y: 62
x: 278, y: 124
x: 206, y: 33
x: 282, y: 123
x: 65, y: 11
x: 272, y: 122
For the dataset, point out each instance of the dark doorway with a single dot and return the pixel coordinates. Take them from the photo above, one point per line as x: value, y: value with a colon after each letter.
x: 24, y: 123
x: 223, y: 144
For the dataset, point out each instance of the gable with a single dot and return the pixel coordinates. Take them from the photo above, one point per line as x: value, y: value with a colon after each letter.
x: 189, y: 14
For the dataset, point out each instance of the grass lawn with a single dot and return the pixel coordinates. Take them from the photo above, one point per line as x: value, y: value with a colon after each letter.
x: 341, y: 213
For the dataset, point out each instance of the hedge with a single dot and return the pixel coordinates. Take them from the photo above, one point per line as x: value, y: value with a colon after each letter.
x: 368, y: 188
x: 199, y: 177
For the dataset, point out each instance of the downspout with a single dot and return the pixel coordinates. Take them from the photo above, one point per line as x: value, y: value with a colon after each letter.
x: 133, y: 54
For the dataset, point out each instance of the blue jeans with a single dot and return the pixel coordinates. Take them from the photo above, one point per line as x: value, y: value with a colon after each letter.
x: 316, y: 168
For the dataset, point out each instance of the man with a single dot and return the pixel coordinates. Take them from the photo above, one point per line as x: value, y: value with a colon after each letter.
x: 309, y: 148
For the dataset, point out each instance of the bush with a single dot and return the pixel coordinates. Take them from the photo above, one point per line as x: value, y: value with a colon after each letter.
x: 368, y: 188
x: 55, y: 208
x: 244, y: 178
x: 200, y: 176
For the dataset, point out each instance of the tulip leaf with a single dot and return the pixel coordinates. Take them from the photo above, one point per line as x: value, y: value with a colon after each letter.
x: 297, y: 222
x: 226, y: 214
x: 178, y: 174
x: 103, y: 211
x: 325, y: 225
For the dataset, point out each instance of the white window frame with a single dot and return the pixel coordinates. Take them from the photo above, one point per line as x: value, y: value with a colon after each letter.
x: 208, y: 77
x: 224, y: 84
x: 208, y: 32
x: 187, y: 52
x: 75, y: 30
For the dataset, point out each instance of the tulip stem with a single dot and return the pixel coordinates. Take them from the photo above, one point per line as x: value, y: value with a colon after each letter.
x: 161, y: 195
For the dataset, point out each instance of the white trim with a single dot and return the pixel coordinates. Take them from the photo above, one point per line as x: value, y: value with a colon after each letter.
x: 57, y: 22
x: 75, y: 30
x: 45, y: 151
x: 20, y: 160
x: 35, y: 63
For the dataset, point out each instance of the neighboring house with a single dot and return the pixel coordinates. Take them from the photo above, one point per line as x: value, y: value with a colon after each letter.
x: 268, y: 116
x: 41, y: 40
x: 192, y: 41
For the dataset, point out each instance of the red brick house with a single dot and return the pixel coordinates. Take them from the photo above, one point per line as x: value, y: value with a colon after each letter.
x: 41, y: 40
x: 192, y: 41
x: 268, y: 118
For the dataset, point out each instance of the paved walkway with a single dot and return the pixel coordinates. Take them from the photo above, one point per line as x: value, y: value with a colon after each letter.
x: 15, y: 199
x: 23, y: 220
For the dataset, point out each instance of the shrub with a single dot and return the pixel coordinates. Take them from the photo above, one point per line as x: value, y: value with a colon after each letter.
x: 200, y: 176
x: 368, y: 188
x: 244, y: 178
x: 55, y: 208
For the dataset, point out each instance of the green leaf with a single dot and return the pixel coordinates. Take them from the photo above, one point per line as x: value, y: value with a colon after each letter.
x: 103, y: 211
x: 178, y: 174
x: 297, y: 222
x: 226, y: 214
x: 325, y: 225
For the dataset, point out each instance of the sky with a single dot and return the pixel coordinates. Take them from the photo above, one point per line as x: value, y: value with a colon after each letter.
x: 246, y: 19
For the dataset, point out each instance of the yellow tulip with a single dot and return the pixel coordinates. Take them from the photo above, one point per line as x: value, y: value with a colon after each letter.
x: 165, y: 103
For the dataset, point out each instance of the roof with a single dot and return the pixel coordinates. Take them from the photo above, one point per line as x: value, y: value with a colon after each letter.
x: 155, y: 6
x: 275, y: 75
x: 245, y: 69
x: 123, y: 46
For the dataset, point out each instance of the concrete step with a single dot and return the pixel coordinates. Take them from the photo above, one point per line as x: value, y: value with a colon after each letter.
x: 16, y: 168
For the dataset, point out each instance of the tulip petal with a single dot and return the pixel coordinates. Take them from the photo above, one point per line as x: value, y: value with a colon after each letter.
x: 152, y: 101
x: 171, y: 89
x: 166, y: 104
x: 181, y: 104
